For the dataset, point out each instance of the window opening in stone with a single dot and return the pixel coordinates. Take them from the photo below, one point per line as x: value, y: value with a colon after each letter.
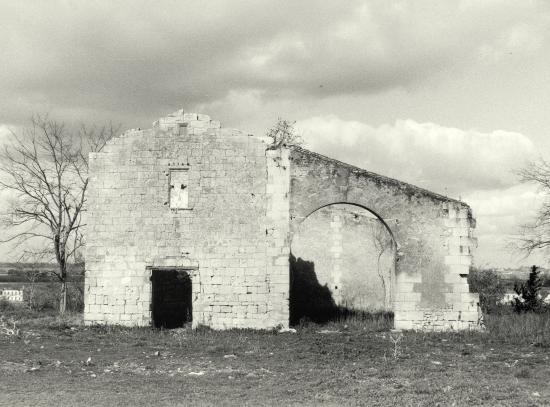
x: 179, y: 189
x: 171, y: 298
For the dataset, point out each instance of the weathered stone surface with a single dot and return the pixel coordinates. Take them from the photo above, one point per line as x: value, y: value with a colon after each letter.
x: 432, y: 233
x: 351, y: 252
x: 232, y: 228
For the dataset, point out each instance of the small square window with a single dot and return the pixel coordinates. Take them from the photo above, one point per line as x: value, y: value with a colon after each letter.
x: 179, y: 189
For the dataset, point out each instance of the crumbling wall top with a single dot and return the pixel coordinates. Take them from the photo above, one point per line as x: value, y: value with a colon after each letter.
x: 186, y: 119
x: 404, y: 187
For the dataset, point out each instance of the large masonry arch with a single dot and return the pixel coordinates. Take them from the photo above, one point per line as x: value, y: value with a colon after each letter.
x: 224, y: 206
x: 342, y: 263
x: 433, y: 234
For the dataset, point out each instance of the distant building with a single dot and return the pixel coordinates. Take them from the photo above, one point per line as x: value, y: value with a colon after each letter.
x: 12, y: 295
x: 509, y: 298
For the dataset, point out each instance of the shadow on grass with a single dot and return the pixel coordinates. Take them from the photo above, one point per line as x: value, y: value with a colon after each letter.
x: 312, y: 302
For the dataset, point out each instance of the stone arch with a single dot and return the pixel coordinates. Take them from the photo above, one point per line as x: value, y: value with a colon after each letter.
x: 376, y: 215
x: 433, y: 236
x: 343, y: 256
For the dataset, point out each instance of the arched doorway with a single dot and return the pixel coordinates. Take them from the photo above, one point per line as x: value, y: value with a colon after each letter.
x: 342, y: 262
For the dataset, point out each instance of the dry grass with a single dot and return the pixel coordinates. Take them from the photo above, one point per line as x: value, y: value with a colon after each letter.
x: 353, y: 362
x: 520, y: 328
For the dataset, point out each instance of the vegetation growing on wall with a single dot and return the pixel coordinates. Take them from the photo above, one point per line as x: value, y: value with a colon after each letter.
x: 282, y: 134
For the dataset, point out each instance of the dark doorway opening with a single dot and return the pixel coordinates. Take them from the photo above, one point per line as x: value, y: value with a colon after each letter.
x: 171, y: 298
x: 308, y: 298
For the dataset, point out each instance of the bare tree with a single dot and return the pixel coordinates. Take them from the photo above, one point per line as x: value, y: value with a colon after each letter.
x: 32, y: 276
x: 536, y: 235
x: 46, y: 169
x: 283, y: 134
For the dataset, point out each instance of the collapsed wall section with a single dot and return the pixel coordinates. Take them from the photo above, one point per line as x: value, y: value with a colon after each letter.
x: 192, y: 196
x: 432, y: 233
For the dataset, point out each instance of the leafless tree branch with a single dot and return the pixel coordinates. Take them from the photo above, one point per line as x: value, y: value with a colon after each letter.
x: 535, y: 236
x: 283, y: 134
x: 46, y: 168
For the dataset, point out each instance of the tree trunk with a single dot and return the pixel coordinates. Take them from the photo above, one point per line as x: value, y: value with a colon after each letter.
x: 63, y: 298
x: 62, y: 262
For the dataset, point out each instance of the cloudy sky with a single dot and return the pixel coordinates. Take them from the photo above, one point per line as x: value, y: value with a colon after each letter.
x: 452, y: 96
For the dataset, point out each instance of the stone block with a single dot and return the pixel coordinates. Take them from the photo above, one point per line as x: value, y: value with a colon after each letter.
x: 472, y: 316
x: 404, y: 305
x: 460, y: 287
x: 404, y: 288
x: 452, y: 278
x: 187, y: 117
x: 458, y: 269
x: 409, y: 278
x: 203, y: 117
x: 458, y: 259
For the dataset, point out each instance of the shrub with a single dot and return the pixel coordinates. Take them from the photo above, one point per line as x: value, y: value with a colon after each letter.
x: 490, y: 287
x: 41, y: 297
x: 45, y: 296
x: 75, y: 296
x: 5, y: 305
x: 529, y: 296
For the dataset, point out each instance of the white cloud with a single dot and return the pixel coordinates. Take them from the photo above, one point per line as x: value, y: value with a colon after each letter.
x: 131, y: 59
x: 475, y: 165
x: 446, y: 160
x: 4, y: 132
x: 519, y: 199
x: 500, y: 215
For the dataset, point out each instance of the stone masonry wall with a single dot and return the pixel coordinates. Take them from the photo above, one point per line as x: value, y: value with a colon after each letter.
x: 433, y: 234
x: 232, y: 238
x: 221, y: 205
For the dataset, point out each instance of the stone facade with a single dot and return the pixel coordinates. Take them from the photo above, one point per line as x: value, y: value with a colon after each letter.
x: 219, y: 204
x: 432, y: 235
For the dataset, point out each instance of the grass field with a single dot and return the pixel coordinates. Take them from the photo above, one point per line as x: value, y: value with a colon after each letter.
x: 359, y: 362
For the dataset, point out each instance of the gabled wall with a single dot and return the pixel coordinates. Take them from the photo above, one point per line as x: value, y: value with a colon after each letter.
x: 232, y: 238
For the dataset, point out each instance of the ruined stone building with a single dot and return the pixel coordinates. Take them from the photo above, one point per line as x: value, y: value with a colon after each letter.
x: 189, y: 221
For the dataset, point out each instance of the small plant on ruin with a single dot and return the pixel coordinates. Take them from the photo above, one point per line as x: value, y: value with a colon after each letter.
x: 396, y: 340
x: 180, y: 335
x: 528, y: 293
x: 283, y: 134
